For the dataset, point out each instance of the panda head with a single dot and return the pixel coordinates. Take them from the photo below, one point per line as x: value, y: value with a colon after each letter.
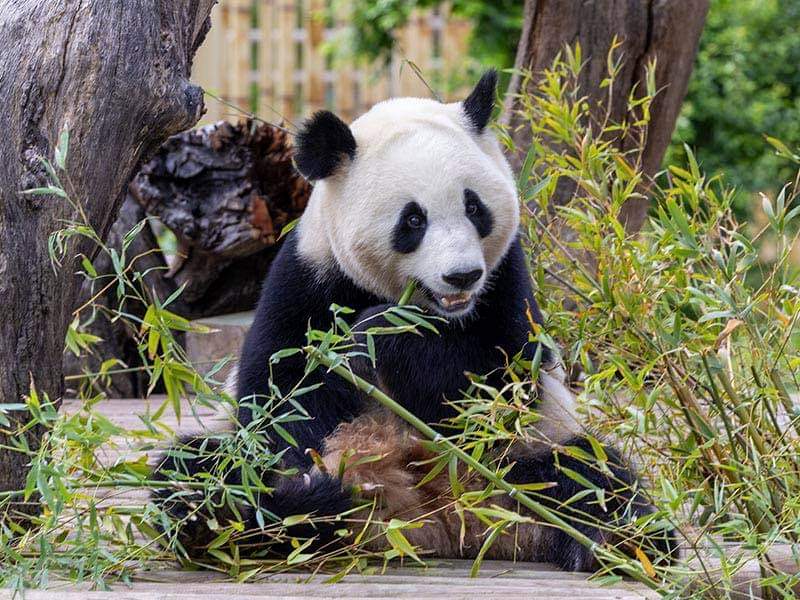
x: 414, y: 188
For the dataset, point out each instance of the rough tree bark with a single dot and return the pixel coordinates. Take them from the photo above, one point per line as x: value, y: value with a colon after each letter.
x: 667, y: 31
x: 116, y: 74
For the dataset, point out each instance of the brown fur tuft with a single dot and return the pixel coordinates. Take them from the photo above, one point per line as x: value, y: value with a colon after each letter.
x: 384, y: 461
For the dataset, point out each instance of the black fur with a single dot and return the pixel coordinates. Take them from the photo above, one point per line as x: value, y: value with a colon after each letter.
x: 624, y: 503
x: 479, y: 104
x: 322, y: 144
x: 405, y: 238
x: 482, y: 216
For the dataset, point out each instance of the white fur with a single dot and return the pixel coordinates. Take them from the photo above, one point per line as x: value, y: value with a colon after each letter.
x: 411, y: 149
x: 557, y: 408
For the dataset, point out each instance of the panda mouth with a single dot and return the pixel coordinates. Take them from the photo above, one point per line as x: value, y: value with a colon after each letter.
x: 450, y: 304
x: 454, y: 302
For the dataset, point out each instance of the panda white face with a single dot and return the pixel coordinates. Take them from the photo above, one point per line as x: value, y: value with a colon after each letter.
x: 420, y: 191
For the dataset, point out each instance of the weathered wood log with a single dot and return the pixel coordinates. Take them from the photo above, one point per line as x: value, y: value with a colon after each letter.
x: 116, y: 75
x: 648, y: 30
x: 225, y: 191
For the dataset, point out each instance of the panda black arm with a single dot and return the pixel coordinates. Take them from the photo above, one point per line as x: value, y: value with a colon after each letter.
x: 293, y: 298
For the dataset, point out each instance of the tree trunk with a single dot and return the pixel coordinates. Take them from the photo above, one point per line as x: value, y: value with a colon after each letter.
x: 116, y: 75
x: 666, y: 31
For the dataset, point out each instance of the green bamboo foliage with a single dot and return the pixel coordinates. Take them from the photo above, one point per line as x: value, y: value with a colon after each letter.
x: 686, y: 338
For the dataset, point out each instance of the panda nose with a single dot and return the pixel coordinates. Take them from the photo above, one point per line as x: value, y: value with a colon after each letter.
x: 463, y: 280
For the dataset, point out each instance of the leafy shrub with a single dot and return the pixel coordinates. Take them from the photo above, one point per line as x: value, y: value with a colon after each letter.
x: 684, y: 360
x: 745, y: 85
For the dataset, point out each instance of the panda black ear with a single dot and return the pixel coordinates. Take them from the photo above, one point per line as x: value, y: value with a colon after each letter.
x: 479, y: 104
x: 322, y: 145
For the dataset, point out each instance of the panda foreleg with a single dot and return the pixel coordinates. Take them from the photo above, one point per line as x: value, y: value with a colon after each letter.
x: 420, y: 370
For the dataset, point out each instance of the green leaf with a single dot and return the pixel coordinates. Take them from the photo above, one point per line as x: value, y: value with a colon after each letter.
x: 495, y: 533
x: 46, y: 191
x: 63, y: 148
x: 295, y: 519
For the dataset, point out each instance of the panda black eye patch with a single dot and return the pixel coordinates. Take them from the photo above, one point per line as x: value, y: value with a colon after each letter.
x: 409, y: 229
x: 477, y: 212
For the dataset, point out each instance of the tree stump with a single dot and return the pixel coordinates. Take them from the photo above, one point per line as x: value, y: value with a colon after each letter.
x: 225, y: 192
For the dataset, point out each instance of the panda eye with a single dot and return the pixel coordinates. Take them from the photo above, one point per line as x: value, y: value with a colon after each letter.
x: 478, y: 213
x: 415, y: 221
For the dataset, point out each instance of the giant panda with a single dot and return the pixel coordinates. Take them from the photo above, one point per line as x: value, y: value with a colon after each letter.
x: 413, y: 189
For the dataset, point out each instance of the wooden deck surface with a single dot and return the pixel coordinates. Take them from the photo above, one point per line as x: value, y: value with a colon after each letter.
x: 447, y: 580
x: 442, y: 579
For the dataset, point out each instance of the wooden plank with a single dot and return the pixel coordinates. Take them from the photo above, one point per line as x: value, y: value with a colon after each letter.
x: 418, y: 588
x: 208, y: 68
x: 454, y: 43
x: 344, y: 81
x: 285, y: 49
x: 266, y: 60
x: 319, y: 592
x: 313, y: 57
x: 416, y: 48
x: 239, y: 63
x: 376, y: 85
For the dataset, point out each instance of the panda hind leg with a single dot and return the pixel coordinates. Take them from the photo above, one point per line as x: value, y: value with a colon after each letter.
x: 383, y: 461
x: 189, y: 511
x: 609, y: 523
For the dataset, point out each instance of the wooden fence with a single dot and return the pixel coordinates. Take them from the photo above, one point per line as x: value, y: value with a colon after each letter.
x: 269, y: 57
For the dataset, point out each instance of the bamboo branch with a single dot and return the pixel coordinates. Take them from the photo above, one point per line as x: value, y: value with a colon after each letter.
x: 621, y: 561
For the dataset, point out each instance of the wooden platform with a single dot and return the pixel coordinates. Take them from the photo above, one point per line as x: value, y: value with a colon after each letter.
x: 448, y: 580
x: 440, y: 580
